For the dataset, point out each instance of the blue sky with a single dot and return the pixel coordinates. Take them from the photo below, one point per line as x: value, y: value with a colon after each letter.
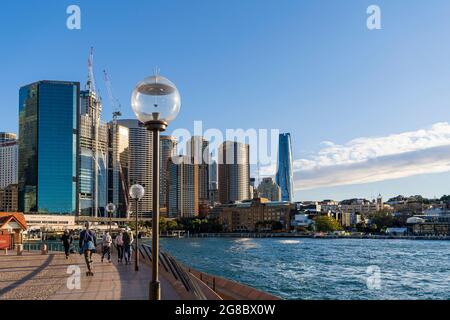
x: 311, y: 68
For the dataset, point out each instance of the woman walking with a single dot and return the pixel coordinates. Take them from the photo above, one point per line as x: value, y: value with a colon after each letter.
x: 88, y: 245
x: 119, y: 246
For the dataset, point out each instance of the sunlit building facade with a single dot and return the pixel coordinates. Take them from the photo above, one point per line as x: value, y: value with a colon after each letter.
x: 198, y: 150
x: 118, y: 162
x: 183, y: 188
x: 9, y: 158
x: 93, y: 157
x: 234, y: 172
x: 168, y: 149
x: 140, y: 170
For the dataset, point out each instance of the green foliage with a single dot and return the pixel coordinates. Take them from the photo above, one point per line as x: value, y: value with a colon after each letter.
x: 199, y: 225
x: 384, y: 219
x: 327, y: 224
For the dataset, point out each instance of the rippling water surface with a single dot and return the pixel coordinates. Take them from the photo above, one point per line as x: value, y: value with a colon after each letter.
x: 324, y: 269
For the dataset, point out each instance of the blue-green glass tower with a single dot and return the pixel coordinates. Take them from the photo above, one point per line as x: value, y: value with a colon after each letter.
x: 48, y: 147
x: 285, y: 174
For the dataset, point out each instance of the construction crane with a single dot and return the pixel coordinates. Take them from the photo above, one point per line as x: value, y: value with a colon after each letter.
x: 115, y: 103
x: 90, y: 85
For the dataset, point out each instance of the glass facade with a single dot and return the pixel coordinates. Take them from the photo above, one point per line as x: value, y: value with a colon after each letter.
x: 285, y: 174
x: 48, y: 147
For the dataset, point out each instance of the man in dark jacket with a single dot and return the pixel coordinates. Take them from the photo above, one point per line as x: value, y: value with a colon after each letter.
x: 88, y: 245
x: 127, y: 242
x: 67, y: 240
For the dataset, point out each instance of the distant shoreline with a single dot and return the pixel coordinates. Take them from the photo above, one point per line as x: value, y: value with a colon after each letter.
x: 298, y: 236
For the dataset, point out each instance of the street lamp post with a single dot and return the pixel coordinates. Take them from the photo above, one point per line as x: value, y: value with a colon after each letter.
x: 110, y: 208
x: 137, y: 192
x: 156, y: 102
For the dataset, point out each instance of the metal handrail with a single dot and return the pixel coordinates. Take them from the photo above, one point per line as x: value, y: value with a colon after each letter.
x: 179, y: 273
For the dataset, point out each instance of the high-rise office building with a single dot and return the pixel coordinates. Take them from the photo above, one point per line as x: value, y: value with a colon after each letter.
x: 7, y: 137
x: 183, y: 188
x: 48, y: 147
x: 269, y: 189
x: 118, y: 161
x: 9, y: 158
x: 168, y: 149
x: 234, y: 172
x: 140, y: 163
x: 93, y: 156
x: 285, y: 174
x: 198, y: 150
x: 213, y: 183
x: 9, y: 198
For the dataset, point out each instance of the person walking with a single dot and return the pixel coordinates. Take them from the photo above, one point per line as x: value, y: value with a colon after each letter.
x: 106, y: 246
x: 67, y: 240
x: 127, y: 242
x: 119, y: 246
x: 88, y: 245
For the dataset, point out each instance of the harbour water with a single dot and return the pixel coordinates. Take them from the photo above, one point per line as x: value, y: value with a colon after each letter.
x: 316, y: 269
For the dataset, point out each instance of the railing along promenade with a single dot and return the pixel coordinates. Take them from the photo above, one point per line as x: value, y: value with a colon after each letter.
x: 315, y: 236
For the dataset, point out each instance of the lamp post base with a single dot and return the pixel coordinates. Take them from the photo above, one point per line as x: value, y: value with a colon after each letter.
x: 155, y: 291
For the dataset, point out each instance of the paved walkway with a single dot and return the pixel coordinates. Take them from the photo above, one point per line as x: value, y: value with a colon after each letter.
x: 45, y: 277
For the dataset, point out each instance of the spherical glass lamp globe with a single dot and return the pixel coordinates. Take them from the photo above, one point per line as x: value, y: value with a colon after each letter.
x: 111, y: 207
x: 156, y: 99
x: 137, y: 192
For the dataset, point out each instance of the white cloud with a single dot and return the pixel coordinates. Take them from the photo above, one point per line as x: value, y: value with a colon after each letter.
x: 366, y: 160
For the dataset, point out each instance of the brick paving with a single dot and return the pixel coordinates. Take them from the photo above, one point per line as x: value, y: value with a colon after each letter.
x: 44, y: 277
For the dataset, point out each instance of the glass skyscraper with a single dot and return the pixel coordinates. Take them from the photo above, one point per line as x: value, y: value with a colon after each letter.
x: 285, y: 174
x: 48, y: 147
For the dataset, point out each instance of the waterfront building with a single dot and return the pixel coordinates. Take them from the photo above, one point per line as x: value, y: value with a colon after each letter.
x: 198, y: 150
x: 49, y: 223
x: 234, y: 172
x: 9, y: 198
x: 254, y: 215
x: 48, y: 147
x: 301, y: 221
x: 168, y: 149
x: 432, y: 222
x: 285, y: 172
x: 118, y: 162
x: 12, y: 225
x: 350, y: 219
x: 7, y: 137
x: 309, y: 207
x: 183, y: 188
x: 327, y: 206
x: 269, y: 189
x: 409, y: 205
x: 361, y: 206
x: 9, y: 158
x: 140, y: 163
x: 93, y: 156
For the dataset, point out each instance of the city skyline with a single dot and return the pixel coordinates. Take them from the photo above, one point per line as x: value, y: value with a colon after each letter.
x: 388, y: 119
